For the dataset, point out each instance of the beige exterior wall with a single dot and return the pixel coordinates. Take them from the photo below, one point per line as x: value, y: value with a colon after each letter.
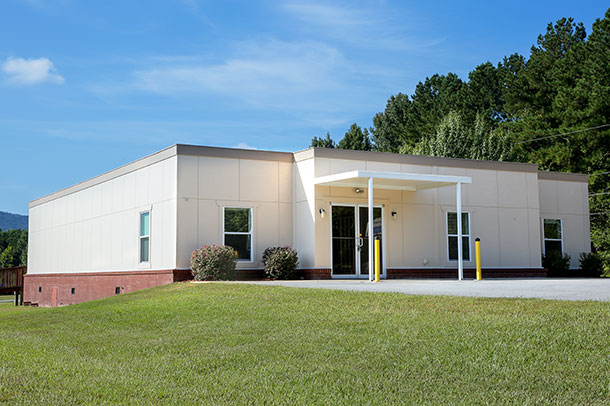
x: 305, y: 241
x: 207, y: 184
x: 568, y: 201
x: 95, y: 228
x: 503, y: 207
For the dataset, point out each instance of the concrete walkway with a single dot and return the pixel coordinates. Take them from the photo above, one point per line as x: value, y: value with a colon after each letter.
x: 543, y: 288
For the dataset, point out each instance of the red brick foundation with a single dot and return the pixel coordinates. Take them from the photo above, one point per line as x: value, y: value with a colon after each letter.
x: 315, y: 273
x: 441, y: 273
x: 256, y: 274
x: 249, y: 274
x: 51, y: 290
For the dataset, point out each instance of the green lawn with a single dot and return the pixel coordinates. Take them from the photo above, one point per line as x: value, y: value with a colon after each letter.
x: 234, y: 343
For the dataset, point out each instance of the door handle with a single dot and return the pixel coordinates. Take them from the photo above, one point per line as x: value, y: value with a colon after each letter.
x: 360, y: 242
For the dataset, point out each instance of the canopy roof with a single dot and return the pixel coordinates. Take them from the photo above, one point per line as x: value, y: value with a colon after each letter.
x: 390, y: 180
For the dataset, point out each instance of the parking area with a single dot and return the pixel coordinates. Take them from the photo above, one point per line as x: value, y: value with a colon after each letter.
x: 542, y: 288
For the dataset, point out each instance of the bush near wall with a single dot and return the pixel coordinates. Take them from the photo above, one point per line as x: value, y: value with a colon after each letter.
x: 556, y: 264
x: 591, y: 264
x: 280, y: 262
x: 213, y: 262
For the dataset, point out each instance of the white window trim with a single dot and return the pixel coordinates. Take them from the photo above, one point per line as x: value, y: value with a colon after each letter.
x: 447, y: 235
x: 140, y: 262
x: 251, y: 233
x: 544, y: 239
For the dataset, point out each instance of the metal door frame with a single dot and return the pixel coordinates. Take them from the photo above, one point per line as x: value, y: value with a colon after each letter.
x: 360, y: 273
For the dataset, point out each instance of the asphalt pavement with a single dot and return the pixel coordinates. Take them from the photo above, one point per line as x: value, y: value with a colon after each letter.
x: 543, y: 288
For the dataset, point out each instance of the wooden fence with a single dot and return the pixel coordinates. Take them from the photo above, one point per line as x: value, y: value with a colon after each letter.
x: 11, y: 281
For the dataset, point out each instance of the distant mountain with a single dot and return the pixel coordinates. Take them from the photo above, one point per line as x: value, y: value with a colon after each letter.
x: 9, y: 221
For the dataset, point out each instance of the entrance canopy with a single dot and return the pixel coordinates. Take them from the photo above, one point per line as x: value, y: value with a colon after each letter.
x: 390, y: 180
x: 399, y: 181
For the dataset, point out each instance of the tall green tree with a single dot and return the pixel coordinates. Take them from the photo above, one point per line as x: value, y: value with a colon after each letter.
x: 482, y: 94
x: 406, y: 120
x: 8, y: 258
x: 323, y: 142
x: 491, y: 143
x: 355, y: 138
x: 13, y: 248
x: 456, y: 138
x: 432, y: 101
x: 451, y: 139
x: 513, y: 83
x: 391, y: 128
x: 595, y: 83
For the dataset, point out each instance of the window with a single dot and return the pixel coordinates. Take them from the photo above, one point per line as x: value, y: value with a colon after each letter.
x: 452, y: 237
x: 552, y: 235
x: 238, y: 231
x: 144, y: 236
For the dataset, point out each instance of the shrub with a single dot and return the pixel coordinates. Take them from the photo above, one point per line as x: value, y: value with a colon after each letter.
x: 213, y: 262
x: 591, y: 264
x: 556, y: 263
x: 605, y: 257
x: 280, y: 262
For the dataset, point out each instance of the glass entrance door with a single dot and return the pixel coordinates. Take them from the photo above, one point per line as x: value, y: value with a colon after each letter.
x: 350, y: 239
x: 343, y: 240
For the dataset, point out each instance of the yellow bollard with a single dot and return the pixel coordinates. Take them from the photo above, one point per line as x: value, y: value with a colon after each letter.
x: 377, y: 259
x: 477, y: 249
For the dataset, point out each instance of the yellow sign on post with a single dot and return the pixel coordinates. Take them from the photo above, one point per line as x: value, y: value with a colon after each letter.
x: 477, y: 250
x: 377, y: 259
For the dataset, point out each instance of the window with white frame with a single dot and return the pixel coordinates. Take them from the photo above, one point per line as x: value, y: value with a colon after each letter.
x: 237, y: 231
x: 452, y: 236
x: 144, y: 236
x: 552, y: 234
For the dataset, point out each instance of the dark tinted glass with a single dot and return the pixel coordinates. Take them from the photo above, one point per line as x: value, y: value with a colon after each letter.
x: 241, y: 243
x: 453, y: 250
x: 237, y: 220
x: 552, y: 228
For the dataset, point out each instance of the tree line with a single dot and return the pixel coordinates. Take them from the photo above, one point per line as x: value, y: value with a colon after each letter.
x: 551, y: 108
x: 13, y: 248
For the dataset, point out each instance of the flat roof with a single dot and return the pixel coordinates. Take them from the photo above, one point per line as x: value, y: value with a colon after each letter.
x: 391, y: 157
x: 176, y: 149
x: 312, y: 152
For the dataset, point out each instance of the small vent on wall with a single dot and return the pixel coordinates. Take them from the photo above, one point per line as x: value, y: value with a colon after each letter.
x: 117, y: 290
x: 73, y: 290
x: 39, y: 289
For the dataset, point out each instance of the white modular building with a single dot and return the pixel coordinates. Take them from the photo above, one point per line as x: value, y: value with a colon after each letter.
x: 137, y: 226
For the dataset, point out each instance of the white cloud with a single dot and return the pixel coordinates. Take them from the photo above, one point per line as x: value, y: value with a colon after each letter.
x: 361, y: 27
x: 31, y: 71
x: 263, y: 73
x: 243, y: 145
x: 311, y: 82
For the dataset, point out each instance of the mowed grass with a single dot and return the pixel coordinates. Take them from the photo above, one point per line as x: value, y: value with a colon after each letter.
x: 223, y: 343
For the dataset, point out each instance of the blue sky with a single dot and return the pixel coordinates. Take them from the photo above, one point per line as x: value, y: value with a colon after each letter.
x: 86, y: 86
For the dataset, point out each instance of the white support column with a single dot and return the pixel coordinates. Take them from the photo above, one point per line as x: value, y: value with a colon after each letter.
x: 458, y: 205
x: 371, y: 236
